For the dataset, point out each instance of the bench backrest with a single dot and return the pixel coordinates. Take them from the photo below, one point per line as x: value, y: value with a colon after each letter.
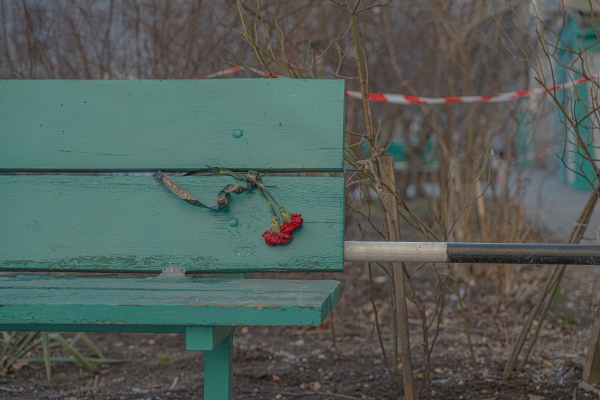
x: 77, y: 222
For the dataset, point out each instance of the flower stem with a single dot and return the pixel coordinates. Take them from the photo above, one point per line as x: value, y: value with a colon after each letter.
x: 231, y: 173
x: 271, y: 196
x: 273, y: 211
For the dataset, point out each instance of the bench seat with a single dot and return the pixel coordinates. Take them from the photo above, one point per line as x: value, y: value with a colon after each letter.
x: 41, y: 303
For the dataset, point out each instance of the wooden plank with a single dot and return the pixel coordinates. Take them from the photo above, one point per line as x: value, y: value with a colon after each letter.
x: 591, y: 369
x: 20, y: 327
x: 134, y: 224
x: 60, y: 301
x: 184, y: 284
x: 145, y: 125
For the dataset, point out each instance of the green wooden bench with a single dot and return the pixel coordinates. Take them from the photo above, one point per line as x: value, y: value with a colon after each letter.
x: 118, y: 226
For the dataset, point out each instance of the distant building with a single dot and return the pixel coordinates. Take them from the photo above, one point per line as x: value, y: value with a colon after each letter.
x: 578, y: 53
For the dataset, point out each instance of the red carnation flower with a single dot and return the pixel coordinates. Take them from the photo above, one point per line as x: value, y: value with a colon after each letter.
x: 277, y: 238
x: 293, y: 224
x: 274, y: 237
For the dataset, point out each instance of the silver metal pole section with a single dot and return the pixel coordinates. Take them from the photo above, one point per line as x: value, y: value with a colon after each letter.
x: 395, y: 251
x: 480, y: 253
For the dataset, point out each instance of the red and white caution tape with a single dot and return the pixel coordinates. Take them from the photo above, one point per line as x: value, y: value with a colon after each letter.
x: 408, y: 100
x: 233, y: 70
x: 490, y: 98
x: 219, y: 73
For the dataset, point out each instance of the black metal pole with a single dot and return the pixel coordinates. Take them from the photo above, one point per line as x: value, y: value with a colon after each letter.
x: 481, y: 253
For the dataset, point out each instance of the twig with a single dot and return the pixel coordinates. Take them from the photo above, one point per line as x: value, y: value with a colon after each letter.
x: 175, y: 381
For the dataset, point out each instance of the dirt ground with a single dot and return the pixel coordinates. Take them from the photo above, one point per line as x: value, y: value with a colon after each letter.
x: 292, y: 363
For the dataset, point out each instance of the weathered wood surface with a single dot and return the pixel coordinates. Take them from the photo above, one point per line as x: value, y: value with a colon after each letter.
x: 68, y: 301
x: 135, y: 224
x: 145, y: 125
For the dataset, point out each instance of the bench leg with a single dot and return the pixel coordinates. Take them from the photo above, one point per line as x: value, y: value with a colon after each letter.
x: 591, y: 370
x: 218, y: 371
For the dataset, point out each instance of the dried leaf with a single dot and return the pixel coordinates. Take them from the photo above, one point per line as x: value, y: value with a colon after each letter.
x: 19, y: 365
